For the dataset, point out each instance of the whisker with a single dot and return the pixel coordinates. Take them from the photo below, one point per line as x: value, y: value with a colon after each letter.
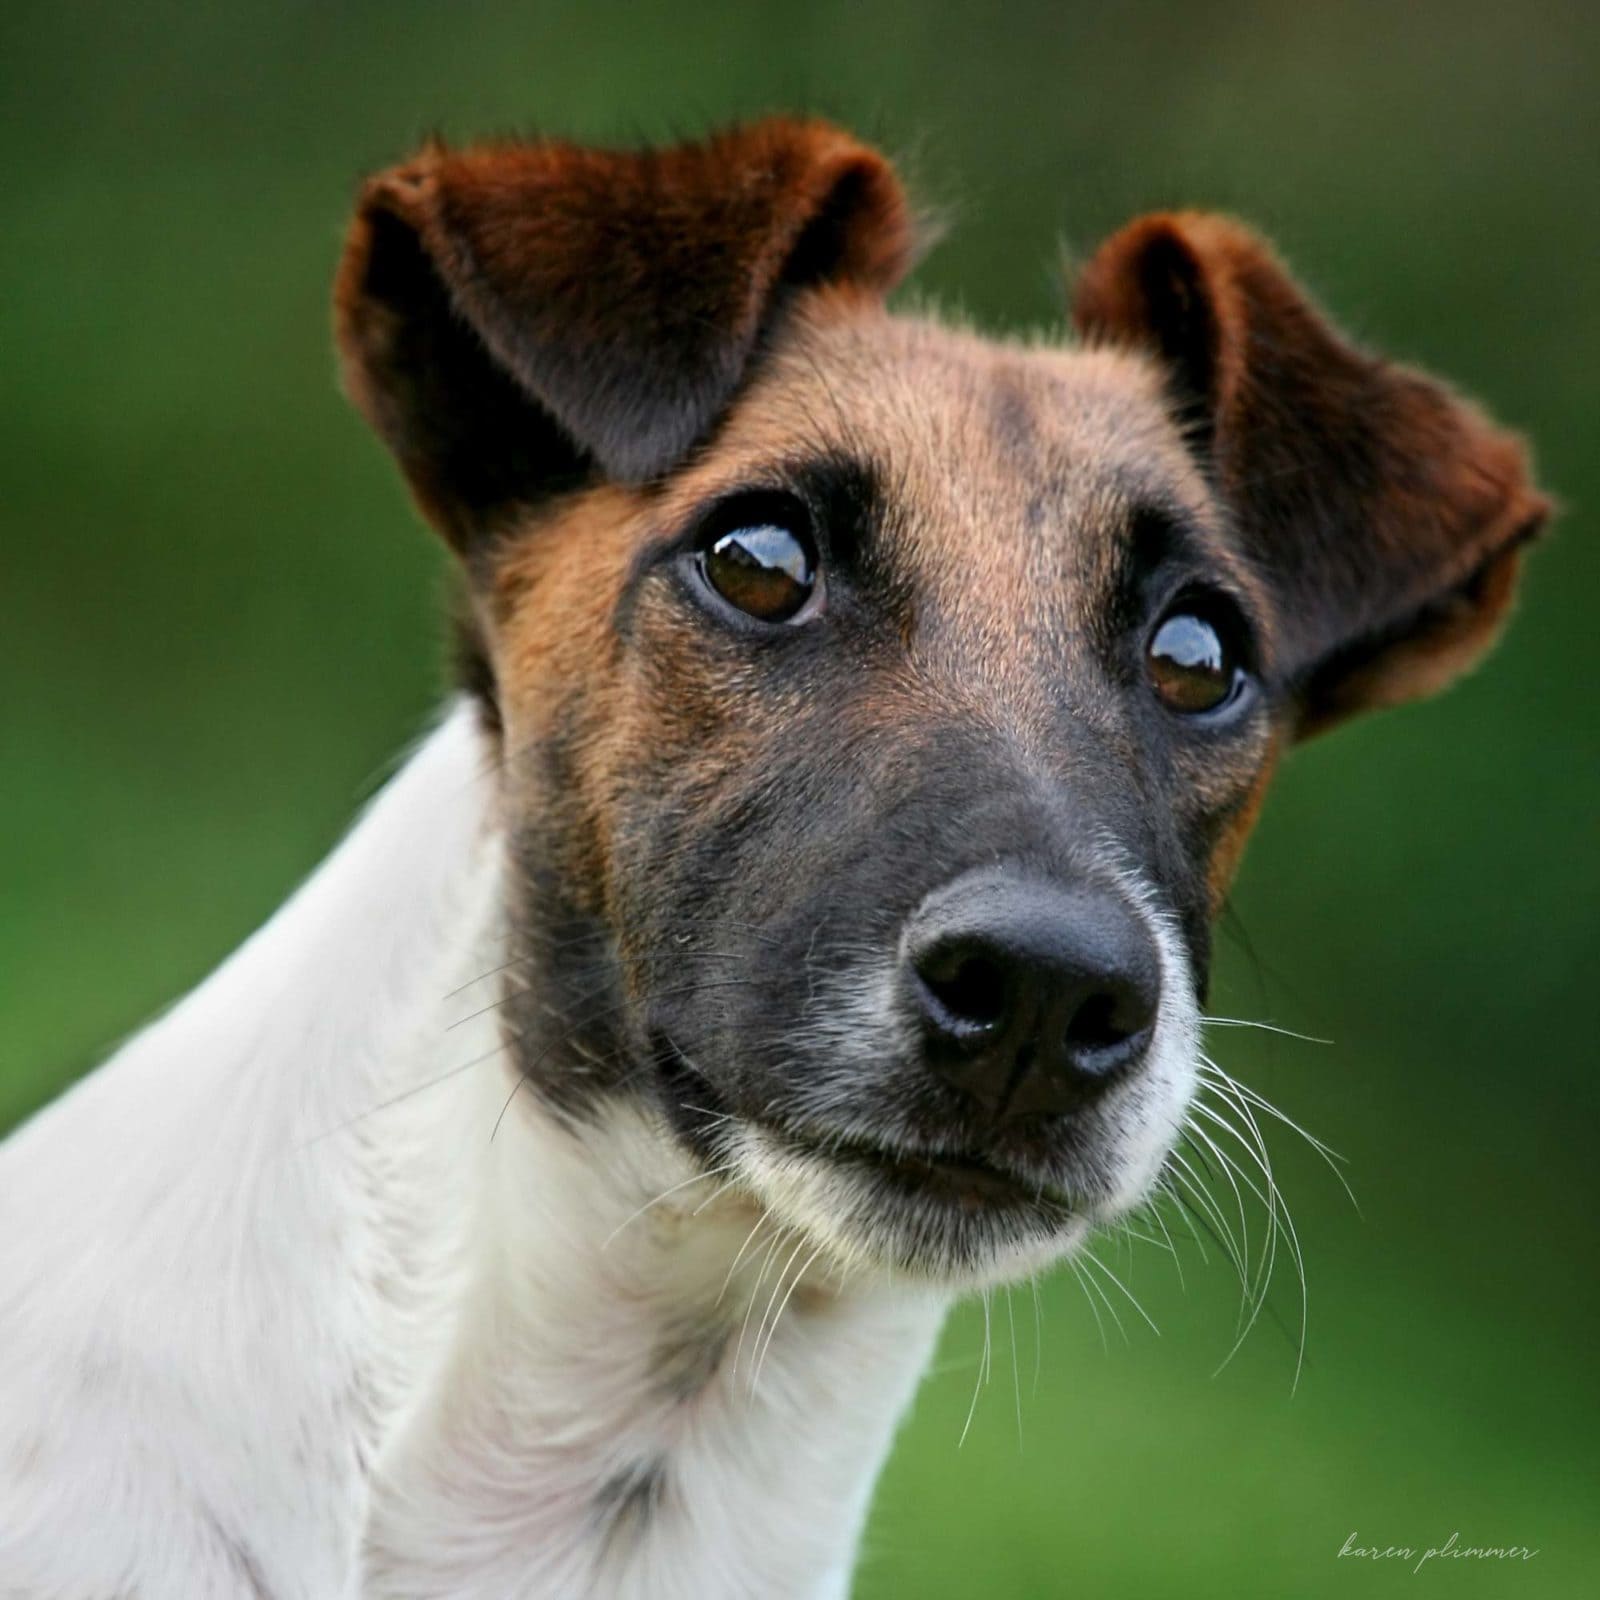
x: 1190, y: 1180
x: 1190, y: 1214
x: 1099, y: 1325
x: 1038, y: 1335
x: 406, y: 1094
x: 1166, y: 1189
x: 698, y: 1177
x: 717, y: 1193
x: 783, y: 1305
x: 1238, y: 1092
x: 1171, y: 1246
x: 978, y: 1383
x: 1194, y: 1131
x: 1250, y: 1303
x: 505, y: 966
x: 766, y: 1262
x: 600, y: 939
x: 749, y: 1239
x: 1265, y: 1027
x: 493, y: 1005
x: 1105, y: 1299
x: 757, y: 1349
x: 1016, y: 1371
x: 1090, y: 1258
x: 1256, y: 1150
x: 706, y: 1111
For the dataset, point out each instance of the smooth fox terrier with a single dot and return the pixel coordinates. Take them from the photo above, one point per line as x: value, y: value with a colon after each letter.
x: 800, y: 917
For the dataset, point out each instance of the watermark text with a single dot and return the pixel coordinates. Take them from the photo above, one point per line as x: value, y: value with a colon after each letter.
x: 1418, y: 1557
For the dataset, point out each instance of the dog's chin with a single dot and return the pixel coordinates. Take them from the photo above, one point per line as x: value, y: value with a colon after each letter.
x: 956, y: 1221
x: 953, y: 1218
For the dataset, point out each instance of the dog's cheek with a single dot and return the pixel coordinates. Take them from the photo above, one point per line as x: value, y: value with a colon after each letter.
x: 726, y: 824
x: 550, y: 603
x: 1213, y: 786
x: 1235, y: 824
x: 666, y: 772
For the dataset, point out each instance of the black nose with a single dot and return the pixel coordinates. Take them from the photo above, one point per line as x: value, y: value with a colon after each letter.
x: 1033, y: 997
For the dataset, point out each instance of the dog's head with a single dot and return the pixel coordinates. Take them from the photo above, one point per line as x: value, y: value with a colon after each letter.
x: 883, y: 709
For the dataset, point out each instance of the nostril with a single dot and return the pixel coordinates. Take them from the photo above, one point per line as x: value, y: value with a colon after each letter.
x: 1106, y: 1029
x: 1094, y: 1024
x: 967, y: 989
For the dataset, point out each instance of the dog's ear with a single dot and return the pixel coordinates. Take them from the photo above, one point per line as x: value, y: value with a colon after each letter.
x: 1386, y: 513
x: 518, y: 318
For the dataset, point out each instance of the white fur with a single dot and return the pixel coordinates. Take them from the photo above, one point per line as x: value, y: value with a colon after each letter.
x: 278, y: 1316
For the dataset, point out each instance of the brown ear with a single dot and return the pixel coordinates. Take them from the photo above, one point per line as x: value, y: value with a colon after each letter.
x: 1386, y: 513
x: 515, y: 318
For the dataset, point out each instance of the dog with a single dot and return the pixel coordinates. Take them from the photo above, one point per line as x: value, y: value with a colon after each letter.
x: 800, y: 915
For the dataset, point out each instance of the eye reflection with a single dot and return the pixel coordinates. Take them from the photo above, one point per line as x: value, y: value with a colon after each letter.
x: 768, y: 570
x: 1190, y: 667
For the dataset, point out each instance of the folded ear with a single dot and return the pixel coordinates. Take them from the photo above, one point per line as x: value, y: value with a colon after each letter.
x: 517, y: 318
x: 1386, y: 513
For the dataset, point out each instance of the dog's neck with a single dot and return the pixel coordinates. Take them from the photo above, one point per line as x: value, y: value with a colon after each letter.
x: 641, y: 1399
x: 544, y: 1359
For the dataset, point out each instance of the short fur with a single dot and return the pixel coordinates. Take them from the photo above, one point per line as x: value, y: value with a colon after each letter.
x: 555, y: 1199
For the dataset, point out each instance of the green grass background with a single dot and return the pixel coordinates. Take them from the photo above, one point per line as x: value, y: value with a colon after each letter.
x: 218, y: 617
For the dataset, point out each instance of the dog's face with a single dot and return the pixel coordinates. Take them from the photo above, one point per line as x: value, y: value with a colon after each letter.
x: 909, y: 729
x: 882, y: 709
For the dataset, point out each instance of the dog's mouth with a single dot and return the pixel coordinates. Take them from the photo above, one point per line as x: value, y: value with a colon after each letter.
x: 968, y: 1181
x: 965, y: 1180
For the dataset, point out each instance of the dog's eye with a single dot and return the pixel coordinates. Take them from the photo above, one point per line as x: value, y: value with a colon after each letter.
x: 758, y: 553
x: 1193, y: 661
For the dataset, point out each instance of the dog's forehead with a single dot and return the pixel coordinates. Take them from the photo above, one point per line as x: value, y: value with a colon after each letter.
x: 1005, y: 479
x: 1025, y: 456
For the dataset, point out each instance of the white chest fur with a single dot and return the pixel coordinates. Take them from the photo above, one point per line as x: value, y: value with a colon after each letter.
x: 282, y: 1318
x: 626, y: 1411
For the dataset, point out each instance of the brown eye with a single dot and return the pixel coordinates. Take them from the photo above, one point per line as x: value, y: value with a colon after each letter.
x: 1192, y: 668
x: 765, y: 563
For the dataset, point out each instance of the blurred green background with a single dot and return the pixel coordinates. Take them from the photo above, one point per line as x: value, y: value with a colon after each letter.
x: 218, y: 618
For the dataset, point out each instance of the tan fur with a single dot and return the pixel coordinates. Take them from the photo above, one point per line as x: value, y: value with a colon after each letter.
x: 1007, y: 511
